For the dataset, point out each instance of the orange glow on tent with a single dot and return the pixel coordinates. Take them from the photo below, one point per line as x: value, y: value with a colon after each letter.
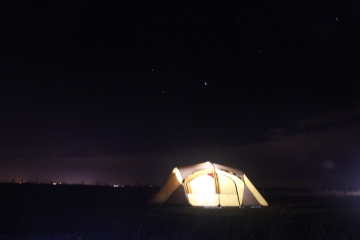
x: 209, y: 184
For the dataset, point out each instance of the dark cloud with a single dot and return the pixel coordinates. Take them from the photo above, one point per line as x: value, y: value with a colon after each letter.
x: 313, y: 157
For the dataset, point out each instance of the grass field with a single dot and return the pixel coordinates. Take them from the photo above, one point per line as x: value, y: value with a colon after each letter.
x: 30, y: 211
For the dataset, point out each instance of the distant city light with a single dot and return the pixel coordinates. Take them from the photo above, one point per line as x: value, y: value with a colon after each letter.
x: 116, y: 185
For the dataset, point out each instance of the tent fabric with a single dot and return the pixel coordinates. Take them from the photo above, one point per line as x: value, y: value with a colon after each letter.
x: 208, y: 184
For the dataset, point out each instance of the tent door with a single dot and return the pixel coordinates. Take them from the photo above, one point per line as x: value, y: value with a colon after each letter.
x: 228, y: 195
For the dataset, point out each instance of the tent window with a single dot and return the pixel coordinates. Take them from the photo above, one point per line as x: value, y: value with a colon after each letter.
x: 226, y: 185
x: 203, y: 184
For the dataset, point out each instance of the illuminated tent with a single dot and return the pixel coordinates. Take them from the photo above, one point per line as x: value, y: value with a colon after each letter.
x: 209, y: 184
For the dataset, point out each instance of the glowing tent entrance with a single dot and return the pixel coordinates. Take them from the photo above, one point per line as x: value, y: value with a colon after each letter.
x: 209, y: 184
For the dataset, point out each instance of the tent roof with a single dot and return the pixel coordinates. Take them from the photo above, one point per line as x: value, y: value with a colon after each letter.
x: 188, y: 170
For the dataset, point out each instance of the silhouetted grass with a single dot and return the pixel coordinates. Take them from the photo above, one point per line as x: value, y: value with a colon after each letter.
x: 94, y: 212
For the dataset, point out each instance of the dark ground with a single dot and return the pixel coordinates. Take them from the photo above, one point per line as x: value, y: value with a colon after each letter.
x: 30, y: 211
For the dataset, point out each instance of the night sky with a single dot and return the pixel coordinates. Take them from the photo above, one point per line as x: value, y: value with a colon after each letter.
x: 120, y: 92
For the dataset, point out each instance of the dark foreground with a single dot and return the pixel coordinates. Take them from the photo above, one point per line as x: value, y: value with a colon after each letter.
x: 90, y: 212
